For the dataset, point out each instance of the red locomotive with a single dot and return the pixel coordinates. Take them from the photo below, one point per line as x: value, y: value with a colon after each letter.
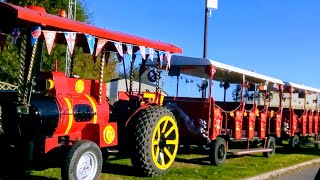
x: 60, y: 114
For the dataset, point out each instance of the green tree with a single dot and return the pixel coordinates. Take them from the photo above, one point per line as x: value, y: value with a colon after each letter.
x: 84, y: 65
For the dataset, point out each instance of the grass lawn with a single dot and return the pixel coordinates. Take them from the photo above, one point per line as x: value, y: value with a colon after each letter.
x: 195, y: 165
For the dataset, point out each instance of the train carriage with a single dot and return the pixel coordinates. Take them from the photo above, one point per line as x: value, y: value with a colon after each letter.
x: 301, y: 114
x: 243, y: 126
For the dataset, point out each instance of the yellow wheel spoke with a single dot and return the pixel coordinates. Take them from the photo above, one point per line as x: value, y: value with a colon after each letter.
x: 165, y: 126
x: 157, y: 153
x: 171, y: 142
x: 162, y: 158
x: 169, y: 131
x: 168, y: 153
x: 155, y: 142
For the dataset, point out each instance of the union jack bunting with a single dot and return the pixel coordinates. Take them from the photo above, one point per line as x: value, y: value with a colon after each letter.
x: 71, y: 40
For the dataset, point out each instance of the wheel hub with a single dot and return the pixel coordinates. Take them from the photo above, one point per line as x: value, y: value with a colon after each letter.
x: 162, y: 142
x: 87, y: 166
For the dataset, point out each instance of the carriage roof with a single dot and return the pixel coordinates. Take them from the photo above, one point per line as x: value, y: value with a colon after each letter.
x: 226, y: 73
x: 13, y: 16
x: 301, y: 87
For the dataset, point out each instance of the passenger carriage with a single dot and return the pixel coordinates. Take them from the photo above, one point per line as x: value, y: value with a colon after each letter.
x: 243, y: 126
x: 301, y: 114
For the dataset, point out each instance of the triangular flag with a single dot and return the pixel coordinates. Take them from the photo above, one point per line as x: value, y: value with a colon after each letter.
x: 3, y: 39
x: 49, y: 37
x: 71, y: 40
x: 119, y: 48
x: 91, y: 42
x: 15, y: 34
x: 151, y: 51
x: 168, y: 58
x: 35, y: 34
x: 161, y: 57
x: 130, y: 51
x: 143, y: 52
x: 101, y: 43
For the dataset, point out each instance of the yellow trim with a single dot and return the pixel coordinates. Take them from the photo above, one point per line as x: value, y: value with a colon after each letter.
x: 70, y: 116
x: 94, y: 107
x: 162, y: 130
x: 109, y: 134
x: 79, y: 86
x: 50, y: 84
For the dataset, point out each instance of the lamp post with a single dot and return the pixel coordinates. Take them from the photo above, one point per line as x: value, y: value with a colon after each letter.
x: 206, y: 12
x: 209, y: 5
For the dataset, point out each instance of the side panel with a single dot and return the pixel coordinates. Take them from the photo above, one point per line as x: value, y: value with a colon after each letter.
x: 238, y: 125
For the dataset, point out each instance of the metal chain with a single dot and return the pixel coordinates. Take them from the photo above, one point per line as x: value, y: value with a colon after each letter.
x: 164, y: 77
x: 22, y: 57
x: 26, y: 92
x: 158, y: 75
x: 103, y: 60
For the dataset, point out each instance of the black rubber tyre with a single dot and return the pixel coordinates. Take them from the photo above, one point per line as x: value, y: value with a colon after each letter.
x: 294, y: 142
x: 83, y: 156
x: 271, y: 144
x: 218, y: 151
x: 155, y: 143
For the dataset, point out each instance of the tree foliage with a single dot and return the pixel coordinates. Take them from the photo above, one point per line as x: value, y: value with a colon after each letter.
x: 84, y: 65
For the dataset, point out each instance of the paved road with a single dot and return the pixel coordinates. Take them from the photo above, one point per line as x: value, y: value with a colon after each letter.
x: 305, y: 173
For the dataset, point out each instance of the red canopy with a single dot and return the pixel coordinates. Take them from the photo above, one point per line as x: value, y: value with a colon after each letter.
x: 11, y: 15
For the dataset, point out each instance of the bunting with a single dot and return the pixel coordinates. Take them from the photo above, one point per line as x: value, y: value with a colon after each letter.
x: 151, y: 52
x: 15, y: 34
x: 168, y: 57
x: 35, y: 34
x: 143, y: 52
x: 49, y: 37
x: 101, y: 43
x: 119, y: 48
x: 161, y: 56
x: 71, y: 40
x: 91, y: 42
x: 129, y: 50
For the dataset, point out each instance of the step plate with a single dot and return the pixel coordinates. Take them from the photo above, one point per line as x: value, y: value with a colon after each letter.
x: 248, y: 151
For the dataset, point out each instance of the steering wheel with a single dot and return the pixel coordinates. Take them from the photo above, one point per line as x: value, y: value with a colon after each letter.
x: 152, y: 75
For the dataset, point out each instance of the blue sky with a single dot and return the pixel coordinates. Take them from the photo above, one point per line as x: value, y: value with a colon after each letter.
x: 278, y: 38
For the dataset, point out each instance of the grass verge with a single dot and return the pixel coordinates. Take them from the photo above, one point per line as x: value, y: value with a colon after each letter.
x: 195, y: 165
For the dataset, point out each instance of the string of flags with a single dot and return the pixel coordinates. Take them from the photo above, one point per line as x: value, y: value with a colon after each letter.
x: 50, y: 36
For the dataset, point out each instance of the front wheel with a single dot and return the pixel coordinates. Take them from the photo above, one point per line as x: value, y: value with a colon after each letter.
x: 271, y: 144
x: 156, y: 140
x: 218, y: 151
x: 84, y: 162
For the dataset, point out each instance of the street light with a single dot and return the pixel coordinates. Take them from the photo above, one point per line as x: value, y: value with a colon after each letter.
x: 209, y: 5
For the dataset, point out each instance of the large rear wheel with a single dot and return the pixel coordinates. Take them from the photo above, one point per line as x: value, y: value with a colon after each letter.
x: 156, y: 140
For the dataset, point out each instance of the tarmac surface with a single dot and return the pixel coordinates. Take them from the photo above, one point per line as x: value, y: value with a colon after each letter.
x: 309, y: 170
